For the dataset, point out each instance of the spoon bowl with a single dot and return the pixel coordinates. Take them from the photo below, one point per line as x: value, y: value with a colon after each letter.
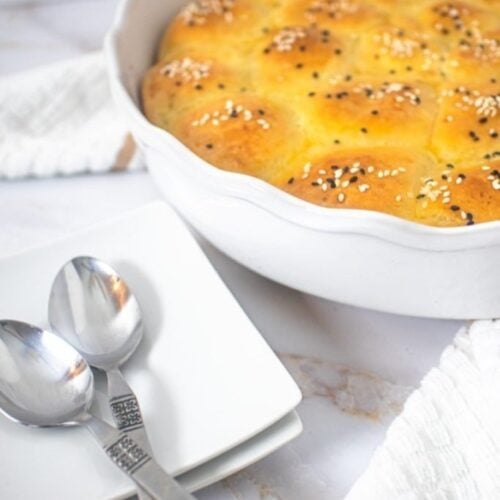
x: 93, y: 309
x: 43, y: 381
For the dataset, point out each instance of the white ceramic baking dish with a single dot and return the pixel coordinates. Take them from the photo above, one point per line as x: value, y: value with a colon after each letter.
x: 357, y: 257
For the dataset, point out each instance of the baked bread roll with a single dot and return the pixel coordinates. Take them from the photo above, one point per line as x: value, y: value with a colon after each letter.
x: 368, y: 104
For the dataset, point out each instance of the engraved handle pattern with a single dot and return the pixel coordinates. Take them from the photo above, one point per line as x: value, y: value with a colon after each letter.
x: 127, y: 454
x: 127, y: 414
x: 132, y: 459
x: 125, y: 409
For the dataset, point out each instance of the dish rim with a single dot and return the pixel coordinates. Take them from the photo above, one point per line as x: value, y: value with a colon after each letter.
x: 278, y: 202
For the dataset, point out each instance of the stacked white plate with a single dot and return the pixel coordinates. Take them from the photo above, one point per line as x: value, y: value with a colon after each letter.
x: 215, y: 398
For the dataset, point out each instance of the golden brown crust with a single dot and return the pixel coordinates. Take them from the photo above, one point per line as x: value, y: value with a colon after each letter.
x: 402, y: 97
x: 467, y: 123
x: 458, y: 196
x: 381, y: 179
x: 222, y: 125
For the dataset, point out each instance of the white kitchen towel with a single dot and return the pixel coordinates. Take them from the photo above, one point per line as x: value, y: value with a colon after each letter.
x: 60, y: 119
x: 446, y: 442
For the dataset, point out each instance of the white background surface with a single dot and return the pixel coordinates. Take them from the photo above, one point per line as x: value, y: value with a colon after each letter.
x: 355, y: 367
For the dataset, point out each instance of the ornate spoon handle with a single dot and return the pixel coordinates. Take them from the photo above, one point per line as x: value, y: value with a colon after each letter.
x: 132, y: 459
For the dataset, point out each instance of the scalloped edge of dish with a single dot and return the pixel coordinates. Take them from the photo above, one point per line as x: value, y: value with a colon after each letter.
x: 278, y: 202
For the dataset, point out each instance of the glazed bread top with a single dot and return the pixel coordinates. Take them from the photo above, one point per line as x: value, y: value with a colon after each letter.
x: 375, y: 104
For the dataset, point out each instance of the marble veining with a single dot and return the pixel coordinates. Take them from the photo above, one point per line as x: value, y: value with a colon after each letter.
x: 353, y: 392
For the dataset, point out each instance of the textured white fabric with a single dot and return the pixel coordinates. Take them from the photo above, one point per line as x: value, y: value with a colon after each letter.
x: 446, y: 442
x: 60, y: 119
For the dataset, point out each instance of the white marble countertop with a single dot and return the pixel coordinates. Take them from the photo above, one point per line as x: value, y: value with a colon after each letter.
x: 355, y: 367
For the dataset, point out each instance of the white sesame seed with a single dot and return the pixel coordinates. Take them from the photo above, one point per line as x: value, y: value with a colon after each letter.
x: 341, y: 197
x: 186, y: 69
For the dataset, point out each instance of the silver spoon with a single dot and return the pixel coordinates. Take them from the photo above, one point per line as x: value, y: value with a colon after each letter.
x: 44, y: 382
x: 93, y: 309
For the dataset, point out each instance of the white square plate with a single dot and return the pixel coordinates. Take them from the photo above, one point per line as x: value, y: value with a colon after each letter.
x: 206, y: 380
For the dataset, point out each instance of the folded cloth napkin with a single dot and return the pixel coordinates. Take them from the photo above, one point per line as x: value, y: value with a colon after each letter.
x: 60, y: 119
x: 446, y: 442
